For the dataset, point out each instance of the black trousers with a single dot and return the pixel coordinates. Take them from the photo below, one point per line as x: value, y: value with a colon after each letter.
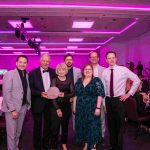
x: 63, y: 122
x: 115, y: 115
x: 41, y: 130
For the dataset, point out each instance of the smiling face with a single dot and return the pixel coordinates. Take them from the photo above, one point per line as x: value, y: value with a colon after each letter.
x: 61, y: 69
x: 61, y: 72
x: 94, y: 58
x: 69, y: 61
x: 111, y: 59
x: 22, y: 63
x: 88, y: 71
x: 45, y: 61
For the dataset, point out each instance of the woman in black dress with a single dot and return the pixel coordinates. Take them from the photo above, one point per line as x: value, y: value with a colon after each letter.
x: 62, y: 104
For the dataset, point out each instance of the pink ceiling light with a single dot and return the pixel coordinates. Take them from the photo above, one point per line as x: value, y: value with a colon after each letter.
x: 14, y: 23
x: 83, y: 24
x: 17, y: 52
x: 70, y: 52
x: 72, y: 47
x: 114, y: 32
x: 54, y: 54
x: 38, y: 39
x: 75, y: 39
x: 7, y: 47
x: 75, y: 6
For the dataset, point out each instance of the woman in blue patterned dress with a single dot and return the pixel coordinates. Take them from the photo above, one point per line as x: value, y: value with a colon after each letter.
x: 86, y: 106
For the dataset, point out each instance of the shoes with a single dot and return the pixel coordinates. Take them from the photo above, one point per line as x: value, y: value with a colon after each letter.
x: 108, y: 148
x: 45, y: 147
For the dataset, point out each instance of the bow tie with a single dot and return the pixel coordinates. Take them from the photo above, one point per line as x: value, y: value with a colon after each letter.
x: 45, y: 71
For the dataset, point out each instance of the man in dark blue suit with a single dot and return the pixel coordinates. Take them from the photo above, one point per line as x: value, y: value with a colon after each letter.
x: 40, y: 80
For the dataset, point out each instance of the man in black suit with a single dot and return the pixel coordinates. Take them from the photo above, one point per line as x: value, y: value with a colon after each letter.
x: 40, y: 80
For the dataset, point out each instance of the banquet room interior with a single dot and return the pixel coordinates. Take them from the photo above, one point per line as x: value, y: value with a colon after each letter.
x: 77, y: 27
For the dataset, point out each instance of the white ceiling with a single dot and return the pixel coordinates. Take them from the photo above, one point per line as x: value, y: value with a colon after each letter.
x: 54, y: 21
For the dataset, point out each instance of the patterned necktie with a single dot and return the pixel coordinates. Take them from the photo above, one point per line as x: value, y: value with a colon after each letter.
x: 111, y: 84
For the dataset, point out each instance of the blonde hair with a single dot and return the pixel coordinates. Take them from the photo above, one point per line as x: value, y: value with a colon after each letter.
x: 61, y: 65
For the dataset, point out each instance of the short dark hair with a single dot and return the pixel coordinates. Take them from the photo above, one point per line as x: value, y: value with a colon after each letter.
x: 23, y: 56
x: 67, y: 55
x: 109, y: 52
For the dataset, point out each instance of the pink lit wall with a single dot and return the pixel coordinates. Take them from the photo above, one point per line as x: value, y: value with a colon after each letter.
x: 134, y: 50
x: 8, y: 62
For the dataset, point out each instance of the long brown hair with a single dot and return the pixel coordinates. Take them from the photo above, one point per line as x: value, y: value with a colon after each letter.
x: 83, y: 76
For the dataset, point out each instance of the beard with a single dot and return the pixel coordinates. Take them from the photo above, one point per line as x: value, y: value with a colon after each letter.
x: 69, y: 65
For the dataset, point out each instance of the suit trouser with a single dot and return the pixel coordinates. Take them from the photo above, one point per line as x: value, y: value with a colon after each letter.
x: 14, y: 128
x: 42, y: 138
x: 115, y: 115
x: 103, y: 125
x: 64, y: 122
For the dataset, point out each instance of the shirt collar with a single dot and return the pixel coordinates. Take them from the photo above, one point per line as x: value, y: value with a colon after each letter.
x: 96, y: 66
x: 21, y: 71
x: 115, y: 66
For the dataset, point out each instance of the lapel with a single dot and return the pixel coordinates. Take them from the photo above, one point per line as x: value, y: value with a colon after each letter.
x: 40, y: 78
x: 18, y: 77
x: 51, y: 74
x: 74, y: 74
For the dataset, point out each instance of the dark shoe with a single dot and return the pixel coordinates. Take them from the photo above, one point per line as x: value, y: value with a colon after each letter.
x: 108, y: 148
x: 45, y: 147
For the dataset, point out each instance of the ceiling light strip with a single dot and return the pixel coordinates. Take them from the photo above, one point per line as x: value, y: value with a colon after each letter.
x: 74, y: 6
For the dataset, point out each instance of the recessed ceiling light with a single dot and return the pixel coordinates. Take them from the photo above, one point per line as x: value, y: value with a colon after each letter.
x: 70, y: 52
x: 72, y: 47
x: 18, y: 52
x: 38, y: 39
x: 75, y: 39
x: 42, y: 47
x: 82, y: 24
x: 6, y: 47
x: 14, y: 23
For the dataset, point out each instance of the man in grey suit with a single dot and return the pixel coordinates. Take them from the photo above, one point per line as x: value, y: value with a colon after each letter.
x: 98, y: 70
x: 73, y: 73
x: 16, y: 101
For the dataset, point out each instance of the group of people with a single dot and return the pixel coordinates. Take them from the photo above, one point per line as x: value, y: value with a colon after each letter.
x: 87, y: 94
x: 139, y: 67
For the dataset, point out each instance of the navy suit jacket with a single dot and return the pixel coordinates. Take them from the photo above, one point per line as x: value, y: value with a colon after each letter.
x: 36, y: 85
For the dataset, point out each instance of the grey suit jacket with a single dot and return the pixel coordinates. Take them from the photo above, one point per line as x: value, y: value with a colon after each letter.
x: 13, y: 92
x: 76, y: 74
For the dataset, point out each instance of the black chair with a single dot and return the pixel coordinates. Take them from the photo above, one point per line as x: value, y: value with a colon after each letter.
x: 131, y: 110
x: 2, y: 129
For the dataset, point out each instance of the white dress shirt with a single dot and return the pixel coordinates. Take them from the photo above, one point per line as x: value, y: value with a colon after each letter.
x: 120, y: 76
x: 46, y: 79
x: 96, y: 69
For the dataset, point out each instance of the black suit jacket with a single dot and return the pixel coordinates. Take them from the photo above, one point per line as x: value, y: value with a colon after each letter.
x: 36, y: 85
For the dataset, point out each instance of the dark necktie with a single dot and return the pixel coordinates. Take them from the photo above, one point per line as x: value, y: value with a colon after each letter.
x: 45, y: 71
x: 111, y: 84
x: 22, y: 73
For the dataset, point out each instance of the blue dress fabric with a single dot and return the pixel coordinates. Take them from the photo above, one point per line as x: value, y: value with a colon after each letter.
x: 87, y: 125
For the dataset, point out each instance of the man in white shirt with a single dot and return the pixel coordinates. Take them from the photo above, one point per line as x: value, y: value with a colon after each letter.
x: 114, y: 80
x: 98, y: 70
